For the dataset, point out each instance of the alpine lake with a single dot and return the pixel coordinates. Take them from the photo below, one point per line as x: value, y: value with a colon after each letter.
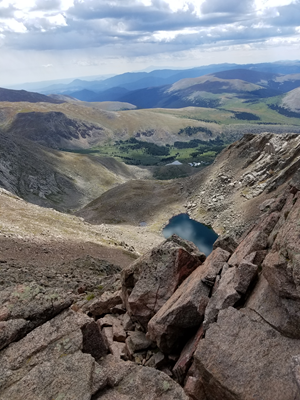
x: 201, y: 235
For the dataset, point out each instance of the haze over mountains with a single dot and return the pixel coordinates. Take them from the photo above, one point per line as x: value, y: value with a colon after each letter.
x: 117, y: 87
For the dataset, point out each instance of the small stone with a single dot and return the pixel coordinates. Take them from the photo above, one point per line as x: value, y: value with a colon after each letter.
x: 137, y: 341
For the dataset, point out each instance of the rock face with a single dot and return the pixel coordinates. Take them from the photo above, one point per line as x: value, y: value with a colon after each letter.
x: 184, y: 311
x: 242, y: 357
x: 152, y: 279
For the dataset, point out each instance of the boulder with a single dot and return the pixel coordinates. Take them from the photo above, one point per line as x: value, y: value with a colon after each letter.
x: 124, y: 380
x: 24, y: 307
x: 182, y: 314
x: 118, y: 349
x: 118, y: 332
x: 94, y: 342
x: 103, y: 304
x: 194, y: 389
x: 242, y: 357
x: 137, y: 341
x: 48, y: 363
x: 156, y: 361
x: 296, y: 369
x: 151, y: 280
x: 234, y: 283
x: 225, y: 296
x: 127, y: 322
x: 226, y: 242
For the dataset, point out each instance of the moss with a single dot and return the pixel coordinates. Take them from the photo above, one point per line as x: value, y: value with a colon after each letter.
x: 61, y: 396
x: 166, y: 386
x: 90, y: 296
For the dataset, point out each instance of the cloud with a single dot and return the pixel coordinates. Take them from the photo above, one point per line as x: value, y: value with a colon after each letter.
x: 7, y: 12
x: 288, y: 15
x: 46, y: 5
x: 228, y: 6
x: 133, y: 29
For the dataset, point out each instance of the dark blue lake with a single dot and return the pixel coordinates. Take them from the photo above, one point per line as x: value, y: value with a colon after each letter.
x: 189, y: 229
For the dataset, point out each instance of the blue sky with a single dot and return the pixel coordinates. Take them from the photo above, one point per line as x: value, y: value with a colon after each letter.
x: 56, y: 39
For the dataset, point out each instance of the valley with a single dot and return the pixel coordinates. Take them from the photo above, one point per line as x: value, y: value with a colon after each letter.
x: 94, y: 302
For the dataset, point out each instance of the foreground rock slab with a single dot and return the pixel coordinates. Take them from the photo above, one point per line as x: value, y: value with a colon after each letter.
x: 48, y: 363
x: 243, y: 358
x: 24, y: 307
x: 128, y: 381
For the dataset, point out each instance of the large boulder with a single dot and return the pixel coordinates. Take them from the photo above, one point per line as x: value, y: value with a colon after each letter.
x: 48, y: 363
x: 183, y: 313
x: 151, y: 280
x: 24, y: 307
x: 242, y: 358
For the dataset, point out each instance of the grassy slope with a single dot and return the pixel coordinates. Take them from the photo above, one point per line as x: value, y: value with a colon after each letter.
x: 57, y: 179
x: 166, y: 123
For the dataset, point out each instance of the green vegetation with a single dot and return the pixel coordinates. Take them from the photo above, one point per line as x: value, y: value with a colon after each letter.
x: 90, y: 296
x: 136, y: 152
x: 246, y: 116
x: 234, y: 111
x: 284, y: 111
x: 192, y: 130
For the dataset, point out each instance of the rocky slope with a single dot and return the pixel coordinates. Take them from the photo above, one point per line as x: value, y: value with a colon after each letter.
x: 81, y: 317
x: 172, y: 325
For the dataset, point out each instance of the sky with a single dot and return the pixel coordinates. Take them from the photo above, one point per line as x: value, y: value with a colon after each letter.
x: 43, y: 40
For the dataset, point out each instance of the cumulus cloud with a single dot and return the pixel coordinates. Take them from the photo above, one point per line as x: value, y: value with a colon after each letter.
x: 286, y: 15
x: 7, y: 12
x: 141, y: 28
x: 228, y: 6
x: 46, y: 5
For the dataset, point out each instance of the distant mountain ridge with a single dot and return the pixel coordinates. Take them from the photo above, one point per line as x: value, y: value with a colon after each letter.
x: 157, y: 88
x: 23, y: 95
x: 140, y: 80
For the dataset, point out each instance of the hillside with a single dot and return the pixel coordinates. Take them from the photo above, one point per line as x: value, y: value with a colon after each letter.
x: 292, y: 100
x: 23, y: 95
x: 203, y: 91
x: 57, y: 179
x: 82, y: 125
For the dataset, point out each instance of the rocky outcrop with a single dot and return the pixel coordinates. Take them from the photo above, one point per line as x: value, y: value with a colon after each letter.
x: 152, y: 279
